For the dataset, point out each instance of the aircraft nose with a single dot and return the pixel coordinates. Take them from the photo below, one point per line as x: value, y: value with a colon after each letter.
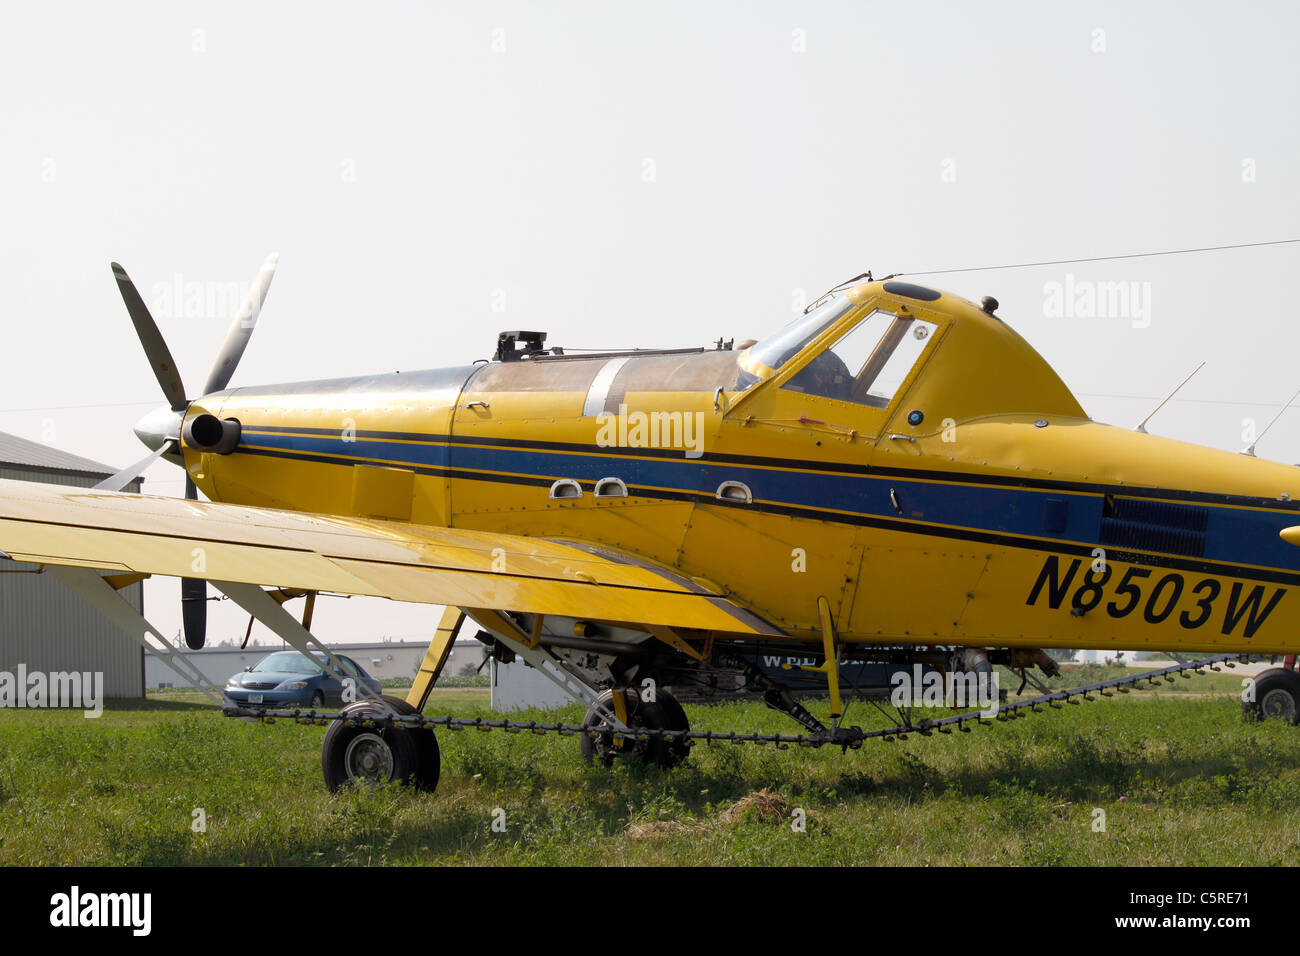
x: 158, y: 426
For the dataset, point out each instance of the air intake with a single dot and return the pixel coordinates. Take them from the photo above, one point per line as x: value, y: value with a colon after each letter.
x: 1161, y: 526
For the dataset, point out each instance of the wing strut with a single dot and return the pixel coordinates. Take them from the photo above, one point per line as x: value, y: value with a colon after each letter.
x: 435, y: 657
x: 270, y: 612
x: 96, y: 591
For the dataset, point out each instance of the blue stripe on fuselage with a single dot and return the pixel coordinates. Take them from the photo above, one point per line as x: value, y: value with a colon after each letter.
x: 1233, y: 535
x: 387, y: 452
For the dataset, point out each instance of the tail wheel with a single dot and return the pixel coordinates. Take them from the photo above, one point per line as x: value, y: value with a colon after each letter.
x: 377, y: 755
x: 1277, y: 696
x: 663, y: 713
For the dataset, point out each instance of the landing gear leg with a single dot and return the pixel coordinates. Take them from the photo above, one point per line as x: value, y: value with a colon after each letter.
x: 435, y: 657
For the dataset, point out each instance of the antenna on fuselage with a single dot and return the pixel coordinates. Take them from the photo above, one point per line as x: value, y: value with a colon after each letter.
x: 1251, y: 449
x: 1142, y: 426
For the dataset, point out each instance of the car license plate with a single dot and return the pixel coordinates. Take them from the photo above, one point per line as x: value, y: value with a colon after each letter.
x: 254, y: 698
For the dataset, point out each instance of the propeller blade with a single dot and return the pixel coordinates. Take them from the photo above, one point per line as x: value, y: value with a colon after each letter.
x: 194, y: 611
x: 155, y: 348
x: 131, y: 472
x: 232, y: 349
x: 194, y: 596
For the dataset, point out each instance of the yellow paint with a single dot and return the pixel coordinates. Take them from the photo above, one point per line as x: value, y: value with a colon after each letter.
x: 830, y: 662
x: 435, y: 658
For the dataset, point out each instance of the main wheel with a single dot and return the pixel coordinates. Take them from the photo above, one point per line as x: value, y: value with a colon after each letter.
x: 428, y: 765
x: 663, y: 713
x: 379, y: 754
x: 1277, y: 696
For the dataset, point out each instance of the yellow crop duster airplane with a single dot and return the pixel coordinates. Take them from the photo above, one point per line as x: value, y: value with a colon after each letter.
x: 894, y: 476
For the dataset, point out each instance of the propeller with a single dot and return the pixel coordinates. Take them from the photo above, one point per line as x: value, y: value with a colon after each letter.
x: 194, y: 595
x: 131, y: 472
x: 160, y: 430
x: 241, y: 329
x: 155, y: 347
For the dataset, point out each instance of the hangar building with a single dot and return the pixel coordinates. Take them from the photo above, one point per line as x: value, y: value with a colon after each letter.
x: 43, y: 625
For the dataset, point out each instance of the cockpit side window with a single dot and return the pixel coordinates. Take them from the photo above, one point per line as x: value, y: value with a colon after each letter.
x: 869, y: 363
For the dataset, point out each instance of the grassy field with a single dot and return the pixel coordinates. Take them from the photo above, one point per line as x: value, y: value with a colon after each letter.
x: 1181, y: 780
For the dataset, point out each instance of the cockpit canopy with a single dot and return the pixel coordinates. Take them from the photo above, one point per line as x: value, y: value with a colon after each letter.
x: 982, y: 366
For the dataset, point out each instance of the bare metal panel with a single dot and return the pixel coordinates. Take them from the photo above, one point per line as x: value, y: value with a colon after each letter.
x: 536, y: 376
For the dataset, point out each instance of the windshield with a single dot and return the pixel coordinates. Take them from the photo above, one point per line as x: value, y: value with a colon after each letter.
x: 287, y: 662
x: 777, y: 349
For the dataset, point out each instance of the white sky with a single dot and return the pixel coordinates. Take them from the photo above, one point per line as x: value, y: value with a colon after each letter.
x: 409, y: 160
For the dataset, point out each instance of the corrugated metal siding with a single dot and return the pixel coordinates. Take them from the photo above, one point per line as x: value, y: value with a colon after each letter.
x: 48, y: 628
x: 33, y: 454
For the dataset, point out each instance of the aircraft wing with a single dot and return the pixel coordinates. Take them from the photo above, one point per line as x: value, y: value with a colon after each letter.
x: 115, y: 531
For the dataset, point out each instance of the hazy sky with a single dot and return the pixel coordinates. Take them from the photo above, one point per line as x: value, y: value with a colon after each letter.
x: 650, y: 174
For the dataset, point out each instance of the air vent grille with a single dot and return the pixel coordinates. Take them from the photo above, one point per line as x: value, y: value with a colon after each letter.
x: 1154, y: 526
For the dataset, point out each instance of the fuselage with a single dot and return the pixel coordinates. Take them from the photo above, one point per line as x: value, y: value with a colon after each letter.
x: 950, y: 491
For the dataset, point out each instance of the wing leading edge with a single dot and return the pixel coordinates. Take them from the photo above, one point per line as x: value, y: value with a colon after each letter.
x: 55, y: 524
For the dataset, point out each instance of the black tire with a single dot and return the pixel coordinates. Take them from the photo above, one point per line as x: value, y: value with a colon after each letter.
x: 318, y: 700
x: 379, y: 754
x: 428, y: 767
x: 664, y: 713
x: 1277, y: 697
x: 678, y: 750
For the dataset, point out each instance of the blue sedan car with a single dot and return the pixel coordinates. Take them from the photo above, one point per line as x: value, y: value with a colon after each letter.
x: 290, y: 679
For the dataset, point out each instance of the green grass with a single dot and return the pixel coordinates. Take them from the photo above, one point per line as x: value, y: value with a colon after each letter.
x: 1182, y: 780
